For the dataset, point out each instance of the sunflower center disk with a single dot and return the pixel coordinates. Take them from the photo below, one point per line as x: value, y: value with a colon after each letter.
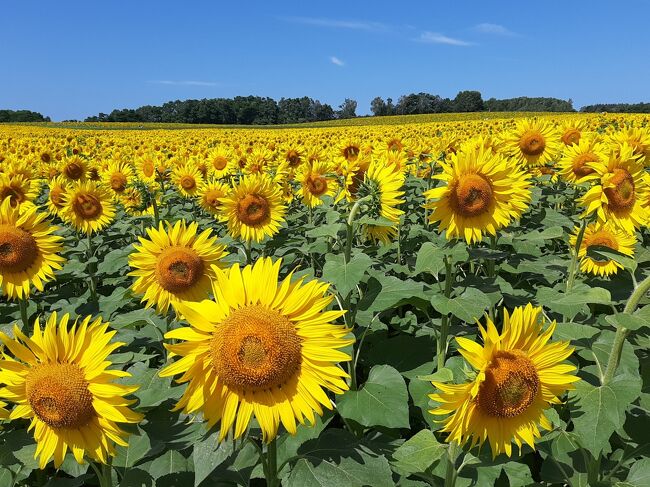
x: 256, y: 348
x: 571, y: 136
x: 532, y: 143
x: 178, y: 269
x: 604, y: 239
x: 212, y: 198
x: 317, y: 185
x: 472, y: 195
x: 57, y: 197
x: 188, y: 183
x: 219, y: 163
x: 253, y: 210
x: 74, y: 171
x: 621, y: 197
x: 510, y: 386
x: 58, y: 394
x: 351, y: 152
x: 15, y: 195
x: 87, y: 206
x: 148, y: 169
x: 118, y: 182
x: 580, y: 167
x: 293, y: 158
x: 18, y: 249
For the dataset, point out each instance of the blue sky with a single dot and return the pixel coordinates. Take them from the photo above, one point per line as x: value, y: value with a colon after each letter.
x: 72, y: 59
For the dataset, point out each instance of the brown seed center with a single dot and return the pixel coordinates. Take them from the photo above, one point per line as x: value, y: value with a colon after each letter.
x: 472, y: 195
x: 253, y: 210
x: 18, y: 249
x: 621, y: 197
x: 532, y: 143
x: 87, y: 206
x: 179, y: 268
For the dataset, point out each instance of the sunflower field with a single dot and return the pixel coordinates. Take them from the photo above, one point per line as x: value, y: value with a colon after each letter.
x: 457, y: 302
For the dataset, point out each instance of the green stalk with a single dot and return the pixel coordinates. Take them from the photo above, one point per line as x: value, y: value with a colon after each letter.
x: 451, y: 473
x: 444, y: 327
x: 574, y: 258
x: 92, y: 283
x: 621, y: 332
x: 350, y: 226
x: 272, y: 464
x: 156, y: 211
x: 22, y: 303
x: 104, y: 474
x: 249, y: 252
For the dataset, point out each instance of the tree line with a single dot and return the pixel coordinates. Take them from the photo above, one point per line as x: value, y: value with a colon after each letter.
x: 22, y: 116
x: 617, y: 108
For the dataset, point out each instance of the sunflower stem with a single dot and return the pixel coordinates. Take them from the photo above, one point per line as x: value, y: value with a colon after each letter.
x: 451, y: 473
x: 92, y: 283
x: 272, y: 464
x: 621, y: 332
x: 350, y: 226
x: 571, y: 278
x: 249, y: 252
x: 22, y: 303
x: 156, y: 211
x: 444, y: 327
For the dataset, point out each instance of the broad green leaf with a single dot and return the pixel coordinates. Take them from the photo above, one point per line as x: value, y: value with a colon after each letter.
x: 345, y: 277
x: 626, y: 320
x: 430, y: 259
x: 139, y: 445
x: 385, y: 292
x: 574, y: 302
x: 469, y: 306
x: 639, y: 474
x: 208, y: 454
x: 168, y: 463
x: 605, y: 254
x: 382, y: 401
x: 418, y: 453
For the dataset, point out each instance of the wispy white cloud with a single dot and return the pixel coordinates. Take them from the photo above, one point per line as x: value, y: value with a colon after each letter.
x: 337, y: 23
x: 337, y: 61
x: 438, y: 38
x: 182, y: 83
x: 494, y: 29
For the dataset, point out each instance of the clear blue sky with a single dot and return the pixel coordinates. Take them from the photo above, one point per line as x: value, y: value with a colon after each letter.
x: 72, y: 59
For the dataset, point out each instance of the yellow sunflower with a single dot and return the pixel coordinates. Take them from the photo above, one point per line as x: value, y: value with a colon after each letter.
x: 74, y: 168
x: 481, y: 192
x: 620, y: 191
x: 254, y: 208
x: 174, y: 265
x: 571, y: 132
x: 20, y: 190
x: 28, y: 250
x: 532, y: 143
x: 59, y: 380
x: 264, y: 347
x: 637, y: 138
x: 519, y: 374
x: 222, y: 162
x: 56, y: 195
x: 210, y: 196
x: 604, y: 235
x: 88, y: 207
x: 575, y: 164
x: 117, y: 176
x: 384, y: 186
x: 315, y: 182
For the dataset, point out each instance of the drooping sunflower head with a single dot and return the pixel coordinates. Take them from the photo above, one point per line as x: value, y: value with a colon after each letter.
x: 602, y: 235
x: 175, y: 264
x: 619, y: 192
x: 532, y: 142
x: 519, y: 374
x: 638, y: 139
x: 88, y: 207
x: 571, y: 132
x: 264, y: 347
x: 481, y: 192
x: 28, y: 250
x: 254, y: 208
x: 60, y: 382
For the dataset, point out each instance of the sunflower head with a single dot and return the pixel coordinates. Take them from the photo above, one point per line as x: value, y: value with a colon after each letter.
x: 89, y: 207
x: 602, y: 235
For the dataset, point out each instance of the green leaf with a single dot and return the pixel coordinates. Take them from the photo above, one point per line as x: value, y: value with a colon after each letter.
x: 379, y: 349
x: 418, y: 453
x: 138, y: 447
x: 208, y: 454
x: 345, y: 277
x: 602, y: 410
x: 382, y: 401
x: 639, y: 474
x: 430, y: 259
x: 168, y: 463
x: 468, y: 306
x: 605, y: 254
x: 386, y: 292
x: 442, y: 375
x: 519, y: 474
x: 627, y: 320
x: 574, y: 302
x: 539, y: 237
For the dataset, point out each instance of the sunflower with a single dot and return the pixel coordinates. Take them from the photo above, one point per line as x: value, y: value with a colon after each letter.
x: 20, y: 190
x: 28, y: 250
x: 620, y: 192
x: 384, y: 187
x: 56, y: 195
x: 518, y: 375
x: 638, y: 139
x: 134, y: 204
x: 210, y: 195
x: 575, y: 165
x: 59, y: 380
x: 571, y: 132
x: 117, y: 176
x: 315, y: 182
x: 604, y: 235
x: 482, y: 192
x: 254, y: 208
x: 187, y: 179
x: 174, y: 265
x: 145, y: 167
x: 74, y: 168
x: 532, y: 142
x: 221, y: 162
x: 88, y: 207
x: 264, y: 347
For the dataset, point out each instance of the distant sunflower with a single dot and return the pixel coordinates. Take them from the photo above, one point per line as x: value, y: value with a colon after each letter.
x: 59, y: 380
x: 481, y: 192
x: 174, y: 264
x: 20, y: 190
x: 254, y: 208
x: 620, y: 191
x: 571, y: 131
x: 74, y: 168
x: 117, y: 176
x: 315, y: 182
x: 604, y: 235
x: 145, y: 167
x: 89, y: 207
x: 264, y: 347
x: 532, y: 142
x: 210, y: 196
x: 187, y: 179
x: 384, y: 186
x: 518, y: 376
x: 28, y: 250
x: 221, y: 162
x: 577, y: 159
